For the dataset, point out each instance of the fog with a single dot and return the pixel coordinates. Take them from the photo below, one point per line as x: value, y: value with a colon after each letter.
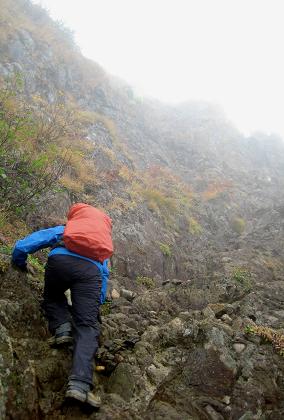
x: 225, y: 51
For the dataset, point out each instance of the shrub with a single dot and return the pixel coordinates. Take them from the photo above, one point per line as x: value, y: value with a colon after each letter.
x: 71, y: 184
x: 242, y: 276
x: 121, y: 204
x: 158, y: 201
x: 29, y: 160
x: 270, y: 335
x: 215, y: 189
x: 238, y: 225
x: 4, y: 264
x: 6, y: 249
x: 12, y: 228
x: 80, y: 168
x: 35, y: 262
x: 146, y: 281
x: 194, y: 227
x: 105, y: 308
x: 165, y: 249
x: 125, y: 173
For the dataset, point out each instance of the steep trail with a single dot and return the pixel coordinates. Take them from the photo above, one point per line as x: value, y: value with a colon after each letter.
x: 174, y: 350
x: 198, y: 213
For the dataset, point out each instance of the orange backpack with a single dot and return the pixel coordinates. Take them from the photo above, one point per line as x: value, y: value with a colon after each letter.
x: 88, y: 232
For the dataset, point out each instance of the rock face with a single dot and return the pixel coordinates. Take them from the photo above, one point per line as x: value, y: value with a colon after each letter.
x: 167, y: 352
x: 232, y: 186
x: 199, y: 223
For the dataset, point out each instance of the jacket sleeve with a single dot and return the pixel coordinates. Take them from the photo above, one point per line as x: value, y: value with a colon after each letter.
x: 105, y: 277
x: 34, y: 242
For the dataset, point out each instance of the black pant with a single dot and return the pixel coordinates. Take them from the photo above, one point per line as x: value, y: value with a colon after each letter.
x: 84, y: 280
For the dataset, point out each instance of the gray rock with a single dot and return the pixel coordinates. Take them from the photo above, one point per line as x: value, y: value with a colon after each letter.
x: 239, y: 347
x: 226, y: 399
x: 127, y: 294
x: 115, y: 294
x: 208, y: 312
x: 212, y: 413
x: 122, y: 381
x: 227, y: 319
x: 157, y: 373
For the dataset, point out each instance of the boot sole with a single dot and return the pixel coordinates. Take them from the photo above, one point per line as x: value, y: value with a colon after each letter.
x: 79, y: 396
x: 60, y: 341
x: 63, y: 340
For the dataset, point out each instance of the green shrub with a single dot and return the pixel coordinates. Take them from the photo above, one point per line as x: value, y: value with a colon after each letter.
x: 165, y: 249
x: 35, y: 263
x: 158, y: 201
x: 30, y: 160
x: 6, y: 249
x: 4, y: 264
x: 105, y: 308
x: 242, y: 276
x: 238, y: 225
x: 194, y: 227
x: 146, y: 281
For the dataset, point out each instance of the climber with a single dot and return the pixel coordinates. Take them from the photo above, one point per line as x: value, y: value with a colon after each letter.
x: 86, y: 278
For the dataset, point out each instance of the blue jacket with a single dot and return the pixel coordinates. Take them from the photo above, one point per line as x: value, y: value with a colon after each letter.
x: 47, y: 238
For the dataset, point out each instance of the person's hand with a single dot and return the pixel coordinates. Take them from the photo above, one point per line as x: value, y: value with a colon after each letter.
x: 25, y: 268
x: 22, y: 268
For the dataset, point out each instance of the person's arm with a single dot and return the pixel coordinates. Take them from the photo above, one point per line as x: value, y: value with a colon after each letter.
x: 105, y: 277
x: 34, y: 242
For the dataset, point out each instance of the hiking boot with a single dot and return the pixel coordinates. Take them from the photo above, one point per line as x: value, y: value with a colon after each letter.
x: 63, y: 338
x: 63, y: 335
x: 80, y: 391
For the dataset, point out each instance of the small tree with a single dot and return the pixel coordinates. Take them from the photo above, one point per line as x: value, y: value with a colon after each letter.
x: 32, y: 158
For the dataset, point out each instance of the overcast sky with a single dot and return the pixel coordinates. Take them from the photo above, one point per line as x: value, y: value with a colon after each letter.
x: 226, y: 51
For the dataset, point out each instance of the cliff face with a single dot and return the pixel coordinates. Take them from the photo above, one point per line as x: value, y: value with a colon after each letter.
x: 198, y: 211
x: 182, y: 176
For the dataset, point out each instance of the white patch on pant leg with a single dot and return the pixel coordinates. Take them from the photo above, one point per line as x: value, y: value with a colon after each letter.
x: 68, y: 296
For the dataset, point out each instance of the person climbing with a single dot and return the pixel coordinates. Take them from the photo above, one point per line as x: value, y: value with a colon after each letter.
x: 77, y: 261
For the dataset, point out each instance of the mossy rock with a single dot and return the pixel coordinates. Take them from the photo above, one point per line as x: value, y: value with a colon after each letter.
x: 122, y: 381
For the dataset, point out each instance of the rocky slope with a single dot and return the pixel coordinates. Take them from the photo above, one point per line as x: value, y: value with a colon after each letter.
x: 180, y: 176
x: 181, y: 350
x: 199, y: 219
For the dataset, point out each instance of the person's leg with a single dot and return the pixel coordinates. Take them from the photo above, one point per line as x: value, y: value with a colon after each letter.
x: 55, y: 303
x: 85, y: 291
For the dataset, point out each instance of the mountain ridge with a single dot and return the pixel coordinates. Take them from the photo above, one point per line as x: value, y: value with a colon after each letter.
x: 198, y: 233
